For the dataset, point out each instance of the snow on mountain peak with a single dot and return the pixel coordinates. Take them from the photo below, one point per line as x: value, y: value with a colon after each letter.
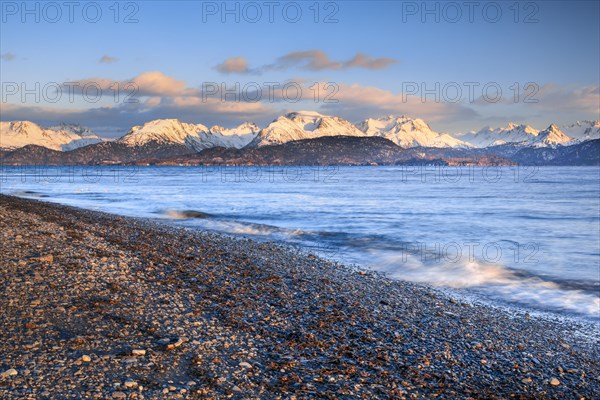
x: 303, y: 125
x: 407, y: 132
x: 583, y: 130
x: 551, y: 136
x: 65, y: 137
x: 303, y: 114
x: 164, y: 131
x: 512, y: 133
x: 196, y: 136
x: 297, y: 125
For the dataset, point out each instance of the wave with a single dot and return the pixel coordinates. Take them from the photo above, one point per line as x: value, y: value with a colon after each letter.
x: 248, y: 228
x: 184, y: 214
x: 497, y: 281
x: 221, y: 224
x: 28, y: 193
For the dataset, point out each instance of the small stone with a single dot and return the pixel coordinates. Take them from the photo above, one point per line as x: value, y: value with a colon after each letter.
x: 555, y: 382
x: 236, y: 389
x: 119, y: 395
x: 86, y: 358
x: 178, y: 343
x: 138, y: 352
x: 47, y: 258
x: 9, y: 372
x: 191, y: 383
x: 165, y: 390
x: 245, y: 365
x: 131, y: 384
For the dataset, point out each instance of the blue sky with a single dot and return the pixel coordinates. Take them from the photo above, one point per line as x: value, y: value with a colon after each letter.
x: 379, y: 57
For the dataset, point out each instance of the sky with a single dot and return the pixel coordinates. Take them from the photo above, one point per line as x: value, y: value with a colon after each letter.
x: 460, y: 65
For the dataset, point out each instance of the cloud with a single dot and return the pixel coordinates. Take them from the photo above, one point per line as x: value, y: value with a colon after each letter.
x: 156, y: 83
x: 356, y: 102
x: 157, y: 96
x: 555, y: 98
x: 106, y: 59
x: 317, y: 60
x: 363, y: 61
x: 313, y: 60
x: 151, y: 83
x: 8, y: 56
x: 237, y: 65
x: 162, y: 96
x: 147, y: 96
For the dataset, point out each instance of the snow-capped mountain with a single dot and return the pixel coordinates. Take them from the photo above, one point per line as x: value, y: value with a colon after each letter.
x: 195, y: 136
x: 523, y: 135
x: 407, y: 132
x: 551, y: 136
x: 75, y: 129
x: 583, y: 130
x: 64, y: 137
x: 88, y: 136
x: 163, y: 131
x: 237, y: 137
x: 404, y: 131
x: 303, y: 125
x: 512, y: 133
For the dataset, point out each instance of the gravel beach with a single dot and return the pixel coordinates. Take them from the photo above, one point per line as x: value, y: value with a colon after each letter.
x: 102, y: 306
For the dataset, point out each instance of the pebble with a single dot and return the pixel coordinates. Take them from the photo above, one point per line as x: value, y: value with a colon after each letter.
x: 178, y: 343
x: 10, y: 372
x: 555, y: 382
x: 47, y: 258
x: 131, y: 384
x: 254, y: 313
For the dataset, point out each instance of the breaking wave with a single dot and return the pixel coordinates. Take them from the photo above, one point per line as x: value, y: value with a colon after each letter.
x: 497, y: 281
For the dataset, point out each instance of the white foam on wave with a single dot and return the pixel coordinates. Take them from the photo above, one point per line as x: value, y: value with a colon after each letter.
x: 492, y: 279
x: 244, y: 228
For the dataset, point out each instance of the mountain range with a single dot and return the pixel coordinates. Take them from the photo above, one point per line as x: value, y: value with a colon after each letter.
x: 170, y: 140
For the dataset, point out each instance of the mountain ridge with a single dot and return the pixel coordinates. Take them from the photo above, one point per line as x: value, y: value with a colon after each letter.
x: 176, y: 142
x: 403, y: 130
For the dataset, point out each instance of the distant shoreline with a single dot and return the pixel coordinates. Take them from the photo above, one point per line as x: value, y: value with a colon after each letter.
x: 200, y: 314
x: 323, y: 151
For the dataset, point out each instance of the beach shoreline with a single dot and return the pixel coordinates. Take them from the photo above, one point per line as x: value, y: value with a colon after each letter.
x: 103, y: 306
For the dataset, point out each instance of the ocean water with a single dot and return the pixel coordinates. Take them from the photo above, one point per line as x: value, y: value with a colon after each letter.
x: 524, y: 236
